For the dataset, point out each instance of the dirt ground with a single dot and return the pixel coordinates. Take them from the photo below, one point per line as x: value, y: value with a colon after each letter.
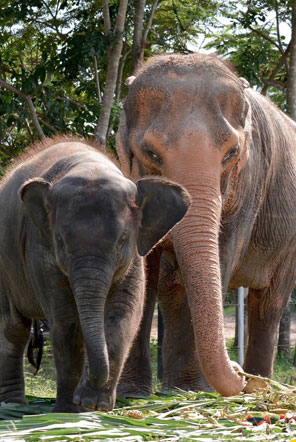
x: 229, y: 324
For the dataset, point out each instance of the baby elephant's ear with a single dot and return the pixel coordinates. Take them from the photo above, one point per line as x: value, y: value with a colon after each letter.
x: 162, y: 205
x: 34, y: 194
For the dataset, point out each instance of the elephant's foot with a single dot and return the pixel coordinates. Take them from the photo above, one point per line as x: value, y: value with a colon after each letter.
x: 92, y: 398
x: 136, y: 380
x: 13, y: 398
x: 12, y: 393
x: 64, y: 403
x: 132, y: 389
x: 12, y: 385
x: 64, y: 406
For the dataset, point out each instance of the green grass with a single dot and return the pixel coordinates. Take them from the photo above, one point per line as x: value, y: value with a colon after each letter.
x: 43, y: 384
x: 229, y: 310
x: 284, y: 371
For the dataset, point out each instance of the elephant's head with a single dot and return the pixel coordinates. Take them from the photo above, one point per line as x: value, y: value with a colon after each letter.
x: 94, y: 222
x: 187, y: 118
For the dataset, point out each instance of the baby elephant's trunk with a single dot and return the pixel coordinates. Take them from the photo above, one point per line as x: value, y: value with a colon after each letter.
x: 90, y: 283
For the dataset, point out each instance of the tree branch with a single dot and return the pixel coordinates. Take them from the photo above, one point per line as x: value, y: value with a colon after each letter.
x: 291, y: 83
x: 29, y: 129
x: 106, y: 15
x: 34, y: 117
x: 48, y: 9
x: 149, y: 23
x: 12, y: 89
x: 47, y: 25
x: 138, y: 29
x: 146, y: 32
x: 263, y: 35
x: 120, y: 73
x: 71, y: 100
x: 22, y: 61
x: 112, y: 74
x: 278, y: 25
x: 275, y: 83
x: 49, y: 126
x: 30, y: 104
x: 177, y: 17
x: 97, y: 80
x: 281, y: 62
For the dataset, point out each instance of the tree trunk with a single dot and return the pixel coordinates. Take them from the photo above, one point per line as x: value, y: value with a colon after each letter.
x: 284, y: 331
x: 138, y: 30
x: 284, y: 344
x: 146, y: 32
x: 291, y: 84
x: 125, y: 53
x: 112, y: 72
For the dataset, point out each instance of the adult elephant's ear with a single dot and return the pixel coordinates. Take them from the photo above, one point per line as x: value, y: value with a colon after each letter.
x: 34, y: 194
x: 162, y: 204
x: 247, y: 127
x: 122, y: 147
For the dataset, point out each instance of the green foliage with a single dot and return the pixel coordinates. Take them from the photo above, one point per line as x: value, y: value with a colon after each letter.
x: 49, y: 48
x: 284, y: 370
x: 178, y: 23
x: 47, y: 53
x: 250, y: 35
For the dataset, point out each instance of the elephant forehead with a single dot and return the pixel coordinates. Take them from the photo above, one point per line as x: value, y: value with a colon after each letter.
x: 182, y: 106
x: 75, y: 197
x: 172, y: 89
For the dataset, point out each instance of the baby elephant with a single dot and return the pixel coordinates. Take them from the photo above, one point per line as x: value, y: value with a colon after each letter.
x: 73, y: 233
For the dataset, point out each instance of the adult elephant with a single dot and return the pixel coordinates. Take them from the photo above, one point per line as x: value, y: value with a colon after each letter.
x: 191, y: 119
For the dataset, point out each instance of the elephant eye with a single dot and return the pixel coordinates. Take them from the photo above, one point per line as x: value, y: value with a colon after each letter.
x: 150, y: 153
x: 122, y: 240
x: 60, y: 242
x: 229, y: 155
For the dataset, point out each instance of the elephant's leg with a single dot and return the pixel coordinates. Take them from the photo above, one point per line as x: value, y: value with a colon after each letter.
x: 68, y: 350
x: 14, y: 334
x: 181, y: 366
x: 265, y: 308
x: 136, y: 378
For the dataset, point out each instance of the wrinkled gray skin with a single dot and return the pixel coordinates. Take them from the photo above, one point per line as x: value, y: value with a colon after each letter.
x: 72, y: 232
x: 181, y: 366
x: 191, y: 119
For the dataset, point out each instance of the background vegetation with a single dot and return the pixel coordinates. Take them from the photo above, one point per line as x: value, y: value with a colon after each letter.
x: 64, y: 63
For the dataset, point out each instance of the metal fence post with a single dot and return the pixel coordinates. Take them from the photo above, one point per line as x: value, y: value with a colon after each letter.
x: 240, y: 325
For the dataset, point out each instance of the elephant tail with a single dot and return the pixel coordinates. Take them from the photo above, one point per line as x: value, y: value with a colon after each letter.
x: 36, y: 342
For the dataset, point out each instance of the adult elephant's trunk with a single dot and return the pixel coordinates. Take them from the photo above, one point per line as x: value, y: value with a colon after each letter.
x: 90, y: 283
x: 196, y: 244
